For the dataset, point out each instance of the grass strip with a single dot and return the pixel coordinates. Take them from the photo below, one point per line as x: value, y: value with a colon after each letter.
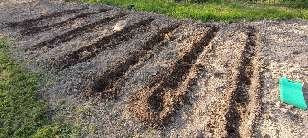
x: 22, y: 114
x: 227, y: 12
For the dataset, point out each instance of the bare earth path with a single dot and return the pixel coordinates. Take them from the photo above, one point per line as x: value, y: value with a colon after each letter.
x: 118, y: 73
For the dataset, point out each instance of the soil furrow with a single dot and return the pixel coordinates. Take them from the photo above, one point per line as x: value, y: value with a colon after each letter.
x: 243, y: 98
x: 108, y: 85
x: 160, y: 102
x: 32, y: 22
x: 38, y: 29
x: 51, y: 43
x: 109, y: 42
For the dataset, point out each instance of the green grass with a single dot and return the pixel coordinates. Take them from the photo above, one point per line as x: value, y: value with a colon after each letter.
x: 211, y: 11
x: 22, y: 114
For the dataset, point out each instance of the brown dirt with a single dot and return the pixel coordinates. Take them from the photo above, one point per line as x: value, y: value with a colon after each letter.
x: 118, y: 73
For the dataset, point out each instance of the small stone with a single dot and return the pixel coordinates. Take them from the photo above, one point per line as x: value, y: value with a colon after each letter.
x: 266, y: 116
x: 289, y: 107
x: 306, y: 126
x: 284, y: 110
x: 120, y: 25
x: 278, y: 104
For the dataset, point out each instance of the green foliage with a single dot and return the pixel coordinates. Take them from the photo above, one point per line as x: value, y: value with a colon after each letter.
x: 227, y: 12
x: 197, y: 1
x: 54, y: 130
x: 295, y: 3
x: 287, y: 3
x: 21, y: 112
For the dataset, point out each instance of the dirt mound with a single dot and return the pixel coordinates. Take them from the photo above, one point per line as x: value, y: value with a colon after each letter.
x: 138, y: 69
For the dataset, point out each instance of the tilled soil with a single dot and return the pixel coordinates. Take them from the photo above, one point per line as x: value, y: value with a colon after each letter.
x: 118, y: 73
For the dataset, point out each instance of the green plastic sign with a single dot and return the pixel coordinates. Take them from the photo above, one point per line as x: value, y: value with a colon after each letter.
x: 291, y: 93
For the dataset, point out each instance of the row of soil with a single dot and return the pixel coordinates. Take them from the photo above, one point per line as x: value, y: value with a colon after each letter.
x: 185, y: 48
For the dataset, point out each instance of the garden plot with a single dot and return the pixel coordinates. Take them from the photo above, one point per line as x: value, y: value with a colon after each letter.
x: 141, y: 74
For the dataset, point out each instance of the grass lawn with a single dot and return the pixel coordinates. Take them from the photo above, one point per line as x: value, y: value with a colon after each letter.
x: 22, y: 114
x: 210, y: 11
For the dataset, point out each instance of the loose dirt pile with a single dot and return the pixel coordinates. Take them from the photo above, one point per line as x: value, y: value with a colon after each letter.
x: 121, y: 73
